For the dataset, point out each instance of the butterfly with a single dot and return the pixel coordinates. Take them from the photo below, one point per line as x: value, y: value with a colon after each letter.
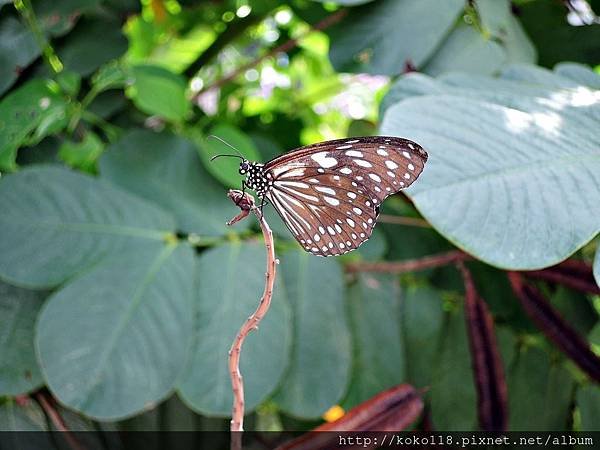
x: 328, y: 194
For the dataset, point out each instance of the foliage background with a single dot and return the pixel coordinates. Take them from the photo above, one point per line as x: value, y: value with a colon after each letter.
x: 122, y: 289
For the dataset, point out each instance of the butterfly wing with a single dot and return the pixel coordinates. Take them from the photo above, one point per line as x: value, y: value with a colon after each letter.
x: 340, y: 182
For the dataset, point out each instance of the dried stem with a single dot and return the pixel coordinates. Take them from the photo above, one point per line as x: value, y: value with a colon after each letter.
x: 246, y: 204
x: 411, y: 265
x: 51, y: 412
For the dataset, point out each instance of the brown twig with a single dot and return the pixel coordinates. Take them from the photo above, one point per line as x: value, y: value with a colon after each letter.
x: 402, y: 220
x: 573, y: 273
x: 411, y: 265
x: 51, y: 412
x: 285, y: 47
x: 246, y: 204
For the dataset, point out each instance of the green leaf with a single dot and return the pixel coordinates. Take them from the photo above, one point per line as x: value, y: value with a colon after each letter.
x: 347, y: 2
x: 467, y: 50
x: 18, y: 49
x: 110, y: 76
x: 497, y: 19
x: 575, y: 308
x: 381, y: 38
x: 579, y: 73
x: 540, y: 393
x: 29, y: 417
x: 82, y: 155
x: 453, y: 397
x: 524, y: 177
x: 19, y: 371
x: 57, y: 223
x: 69, y: 82
x: 22, y: 112
x: 166, y: 170
x: 160, y: 92
x: 60, y: 16
x: 226, y: 170
x: 374, y: 305
x: 93, y: 42
x: 588, y: 402
x: 422, y: 323
x: 113, y: 341
x: 231, y: 282
x: 321, y: 356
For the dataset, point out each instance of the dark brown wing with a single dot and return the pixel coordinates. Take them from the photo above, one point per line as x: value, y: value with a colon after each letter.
x: 340, y: 182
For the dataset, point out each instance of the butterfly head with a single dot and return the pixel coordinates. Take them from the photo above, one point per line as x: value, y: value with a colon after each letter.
x: 244, y: 167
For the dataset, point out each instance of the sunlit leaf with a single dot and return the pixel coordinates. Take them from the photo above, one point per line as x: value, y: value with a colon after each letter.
x: 82, y: 155
x: 514, y: 179
x: 22, y: 112
x: 113, y: 341
x: 231, y: 282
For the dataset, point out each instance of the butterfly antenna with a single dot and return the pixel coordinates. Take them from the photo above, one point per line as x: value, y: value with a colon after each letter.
x: 239, y: 155
x: 234, y: 156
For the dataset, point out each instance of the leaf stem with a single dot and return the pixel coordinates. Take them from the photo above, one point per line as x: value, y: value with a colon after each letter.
x: 52, y: 413
x: 26, y: 10
x: 410, y: 265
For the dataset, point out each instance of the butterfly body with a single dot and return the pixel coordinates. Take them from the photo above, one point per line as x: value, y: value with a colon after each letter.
x: 328, y: 194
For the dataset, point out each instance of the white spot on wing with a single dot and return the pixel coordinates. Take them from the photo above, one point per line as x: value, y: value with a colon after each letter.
x: 325, y: 190
x: 391, y: 165
x: 332, y: 201
x: 375, y: 177
x: 322, y: 159
x: 354, y: 153
x: 346, y: 171
x: 342, y: 147
x: 406, y: 154
x: 363, y: 163
x: 351, y: 194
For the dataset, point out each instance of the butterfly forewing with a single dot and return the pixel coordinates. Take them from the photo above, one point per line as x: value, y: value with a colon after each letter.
x: 328, y: 194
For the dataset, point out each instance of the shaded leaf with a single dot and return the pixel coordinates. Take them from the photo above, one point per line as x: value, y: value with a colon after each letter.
x: 226, y: 169
x: 321, y: 355
x: 18, y: 49
x: 588, y: 402
x: 160, y: 92
x: 166, y: 170
x: 60, y: 16
x: 92, y: 43
x: 453, y: 397
x: 497, y: 18
x: 28, y: 417
x: 31, y: 108
x: 76, y: 220
x: 379, y: 38
x: 597, y: 266
x: 231, y: 281
x: 113, y: 341
x: 575, y: 308
x: 539, y: 392
x: 466, y: 49
x: 554, y: 327
x: 19, y: 370
x: 422, y: 325
x: 374, y: 306
x: 513, y: 181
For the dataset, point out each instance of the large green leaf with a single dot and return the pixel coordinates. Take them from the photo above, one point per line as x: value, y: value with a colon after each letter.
x: 469, y: 50
x: 32, y: 108
x: 159, y: 92
x: 519, y: 187
x: 56, y: 223
x: 230, y: 283
x: 19, y: 370
x: 112, y: 342
x: 321, y: 356
x: 382, y: 37
x: 540, y: 392
x: 422, y: 324
x: 379, y: 363
x: 166, y: 169
x: 453, y: 397
x: 17, y: 50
